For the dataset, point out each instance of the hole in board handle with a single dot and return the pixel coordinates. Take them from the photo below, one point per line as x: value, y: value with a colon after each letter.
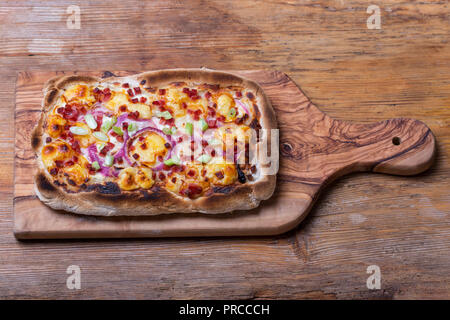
x: 396, y: 141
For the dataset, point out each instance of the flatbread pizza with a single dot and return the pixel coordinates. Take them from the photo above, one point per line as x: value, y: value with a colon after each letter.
x: 168, y: 141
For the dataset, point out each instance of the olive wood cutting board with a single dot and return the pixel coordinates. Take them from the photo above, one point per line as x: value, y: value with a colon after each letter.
x: 314, y: 150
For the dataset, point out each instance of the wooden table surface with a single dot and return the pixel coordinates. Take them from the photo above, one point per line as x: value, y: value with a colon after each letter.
x: 401, y: 224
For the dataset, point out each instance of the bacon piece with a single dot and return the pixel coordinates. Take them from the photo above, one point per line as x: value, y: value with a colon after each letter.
x: 211, y: 112
x: 191, y: 173
x: 212, y: 123
x: 221, y: 118
x: 134, y: 115
x: 69, y: 163
x: 192, y: 191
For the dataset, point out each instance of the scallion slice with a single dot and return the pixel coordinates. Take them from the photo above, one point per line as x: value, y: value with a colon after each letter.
x: 132, y: 127
x: 167, y: 130
x: 95, y: 165
x: 109, y: 160
x: 100, y: 147
x: 100, y: 136
x: 89, y: 118
x: 108, y: 123
x: 166, y: 115
x: 232, y: 113
x: 203, y: 125
x: 118, y: 130
x: 79, y: 131
x: 172, y: 161
x: 189, y: 128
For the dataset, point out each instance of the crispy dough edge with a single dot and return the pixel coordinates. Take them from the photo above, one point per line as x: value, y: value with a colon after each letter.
x: 104, y: 202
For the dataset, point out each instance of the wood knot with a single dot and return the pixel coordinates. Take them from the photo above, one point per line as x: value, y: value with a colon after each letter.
x: 396, y: 141
x: 286, y: 147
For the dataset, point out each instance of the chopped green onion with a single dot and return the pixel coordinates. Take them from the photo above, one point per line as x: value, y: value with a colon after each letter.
x: 173, y: 130
x: 100, y: 136
x: 189, y: 128
x: 167, y: 130
x: 100, y: 147
x: 204, y: 158
x: 89, y: 118
x: 172, y: 161
x: 166, y: 115
x: 109, y: 160
x: 79, y: 131
x: 108, y: 123
x: 95, y: 165
x: 132, y: 127
x: 118, y: 130
x: 232, y: 113
x: 203, y: 124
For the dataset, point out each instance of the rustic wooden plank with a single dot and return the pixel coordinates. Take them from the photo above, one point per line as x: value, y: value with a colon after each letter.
x: 350, y: 72
x: 314, y: 150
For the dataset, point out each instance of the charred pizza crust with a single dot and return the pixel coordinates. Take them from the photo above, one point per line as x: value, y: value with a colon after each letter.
x: 107, y: 199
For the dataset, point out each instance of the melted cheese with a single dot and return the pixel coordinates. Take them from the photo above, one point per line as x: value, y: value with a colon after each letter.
x: 78, y: 173
x: 121, y: 99
x: 87, y: 139
x: 150, y: 148
x: 126, y: 179
x: 55, y: 125
x: 79, y: 93
x: 144, y: 178
x: 117, y: 99
x: 147, y: 152
x: 225, y: 103
x: 144, y: 110
x: 193, y: 174
x: 58, y: 150
x: 174, y: 182
x: 221, y: 174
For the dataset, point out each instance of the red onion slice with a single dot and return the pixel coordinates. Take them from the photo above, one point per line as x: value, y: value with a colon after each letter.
x: 106, y: 171
x: 242, y: 105
x: 121, y: 119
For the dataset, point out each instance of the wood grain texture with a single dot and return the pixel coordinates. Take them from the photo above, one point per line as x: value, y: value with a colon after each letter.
x: 315, y: 150
x: 351, y: 73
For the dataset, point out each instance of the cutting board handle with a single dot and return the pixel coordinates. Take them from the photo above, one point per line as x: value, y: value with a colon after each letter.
x: 396, y: 146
